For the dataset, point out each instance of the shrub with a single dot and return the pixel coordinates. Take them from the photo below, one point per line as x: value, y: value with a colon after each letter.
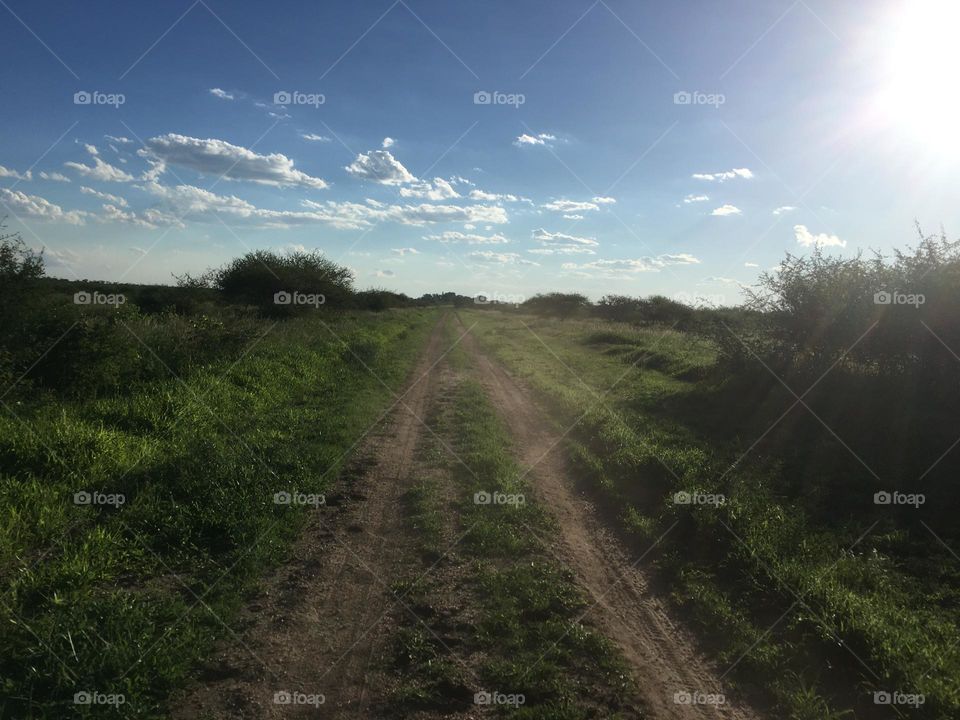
x: 258, y: 276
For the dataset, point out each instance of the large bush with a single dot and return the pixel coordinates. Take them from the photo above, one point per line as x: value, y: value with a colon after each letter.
x: 257, y: 278
x: 880, y: 315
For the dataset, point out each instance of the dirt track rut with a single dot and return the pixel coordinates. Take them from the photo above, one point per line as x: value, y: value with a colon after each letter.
x: 321, y: 621
x: 662, y: 654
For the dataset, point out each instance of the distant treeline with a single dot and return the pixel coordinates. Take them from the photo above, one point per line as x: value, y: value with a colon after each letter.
x: 883, y: 315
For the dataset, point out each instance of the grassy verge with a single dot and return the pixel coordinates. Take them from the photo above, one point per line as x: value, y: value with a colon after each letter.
x: 845, y: 623
x: 501, y: 618
x: 114, y: 598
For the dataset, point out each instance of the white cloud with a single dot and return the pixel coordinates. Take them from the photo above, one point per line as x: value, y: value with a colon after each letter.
x: 115, y: 200
x: 627, y: 267
x: 54, y: 176
x: 103, y: 171
x: 545, y: 237
x: 538, y: 139
x: 604, y: 200
x: 222, y: 94
x: 808, y: 239
x: 388, y: 142
x: 727, y: 175
x: 563, y: 250
x: 784, y: 209
x: 218, y: 157
x: 380, y: 166
x: 477, y: 194
x: 570, y: 206
x: 489, y: 256
x: 38, y: 208
x: 720, y: 280
x: 119, y: 140
x: 313, y: 137
x: 346, y: 215
x: 453, y: 236
x: 573, y: 217
x: 405, y: 251
x: 725, y: 210
x: 696, y: 198
x: 4, y: 172
x: 92, y: 149
x: 193, y: 201
x: 150, y: 219
x: 440, y: 189
x: 384, y: 273
x: 751, y: 265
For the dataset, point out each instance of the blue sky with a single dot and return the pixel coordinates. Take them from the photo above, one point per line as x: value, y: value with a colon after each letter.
x: 678, y: 148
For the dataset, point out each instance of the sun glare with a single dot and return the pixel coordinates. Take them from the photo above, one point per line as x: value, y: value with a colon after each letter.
x: 920, y: 95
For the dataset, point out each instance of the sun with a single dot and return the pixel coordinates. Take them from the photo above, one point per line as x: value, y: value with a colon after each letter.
x: 919, y: 91
x: 918, y: 94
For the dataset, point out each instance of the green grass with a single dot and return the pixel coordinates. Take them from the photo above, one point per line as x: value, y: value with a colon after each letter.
x: 125, y: 599
x: 735, y: 569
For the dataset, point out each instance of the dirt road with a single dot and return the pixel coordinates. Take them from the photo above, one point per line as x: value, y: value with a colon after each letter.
x: 321, y: 623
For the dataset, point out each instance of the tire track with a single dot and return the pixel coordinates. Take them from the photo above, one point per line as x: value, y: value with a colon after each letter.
x: 662, y: 654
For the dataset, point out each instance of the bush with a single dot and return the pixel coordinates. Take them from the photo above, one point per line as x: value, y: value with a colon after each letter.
x: 881, y: 316
x: 258, y: 276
